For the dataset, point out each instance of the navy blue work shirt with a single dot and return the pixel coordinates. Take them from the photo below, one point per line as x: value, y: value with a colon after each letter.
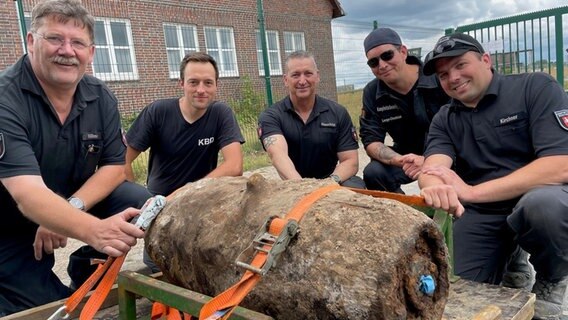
x: 405, y: 118
x: 33, y: 141
x: 312, y: 146
x: 521, y: 118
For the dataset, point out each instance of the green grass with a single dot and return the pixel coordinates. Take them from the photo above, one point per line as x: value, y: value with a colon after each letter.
x: 353, y: 103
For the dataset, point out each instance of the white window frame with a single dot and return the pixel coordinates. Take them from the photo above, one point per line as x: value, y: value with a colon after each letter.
x: 275, y: 66
x: 115, y: 75
x: 182, y: 47
x: 295, y: 46
x: 217, y: 53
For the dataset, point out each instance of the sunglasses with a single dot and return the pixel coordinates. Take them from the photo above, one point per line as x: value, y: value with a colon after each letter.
x: 451, y: 43
x: 385, y: 56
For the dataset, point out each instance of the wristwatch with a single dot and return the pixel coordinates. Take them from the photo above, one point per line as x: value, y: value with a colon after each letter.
x: 77, y: 203
x: 335, y: 178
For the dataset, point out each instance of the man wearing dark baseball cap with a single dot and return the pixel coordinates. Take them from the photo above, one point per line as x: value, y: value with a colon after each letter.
x: 401, y: 102
x: 451, y: 46
x: 506, y: 139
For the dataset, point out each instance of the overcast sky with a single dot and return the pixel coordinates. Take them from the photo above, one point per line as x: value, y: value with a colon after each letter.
x: 419, y: 22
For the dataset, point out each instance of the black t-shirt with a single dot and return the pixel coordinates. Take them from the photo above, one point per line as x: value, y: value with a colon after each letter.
x: 181, y: 152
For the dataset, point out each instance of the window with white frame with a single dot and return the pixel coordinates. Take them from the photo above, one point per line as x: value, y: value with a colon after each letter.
x: 114, y: 55
x: 180, y: 40
x: 220, y: 44
x: 293, y: 41
x: 273, y: 50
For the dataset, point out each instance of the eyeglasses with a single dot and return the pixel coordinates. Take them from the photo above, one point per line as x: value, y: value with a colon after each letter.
x: 451, y: 43
x: 385, y: 56
x: 59, y: 41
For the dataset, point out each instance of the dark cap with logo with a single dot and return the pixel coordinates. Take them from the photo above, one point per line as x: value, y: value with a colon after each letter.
x: 381, y: 36
x: 452, y: 45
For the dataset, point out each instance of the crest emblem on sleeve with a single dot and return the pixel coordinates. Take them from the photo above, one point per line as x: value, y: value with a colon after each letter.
x: 561, y: 116
x: 2, y: 145
x: 354, y: 134
x: 123, y: 137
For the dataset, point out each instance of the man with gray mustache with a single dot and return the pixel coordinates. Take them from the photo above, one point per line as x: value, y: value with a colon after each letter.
x: 61, y: 155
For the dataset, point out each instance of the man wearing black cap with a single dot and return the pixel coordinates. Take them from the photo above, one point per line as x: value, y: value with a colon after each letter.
x: 401, y: 101
x: 506, y: 137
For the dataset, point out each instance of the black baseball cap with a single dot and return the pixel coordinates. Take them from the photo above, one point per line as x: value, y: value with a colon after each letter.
x: 381, y: 36
x: 452, y: 45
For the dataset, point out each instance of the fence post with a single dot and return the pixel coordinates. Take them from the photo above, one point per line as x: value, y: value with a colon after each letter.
x: 22, y: 23
x: 559, y: 49
x: 262, y: 32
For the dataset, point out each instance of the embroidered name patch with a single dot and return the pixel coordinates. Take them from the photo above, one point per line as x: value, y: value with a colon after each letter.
x: 508, y: 119
x: 328, y: 125
x: 561, y: 115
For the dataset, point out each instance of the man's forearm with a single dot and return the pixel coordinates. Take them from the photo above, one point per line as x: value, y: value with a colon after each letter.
x: 426, y: 180
x: 380, y: 152
x: 285, y: 167
x: 44, y: 207
x: 131, y: 155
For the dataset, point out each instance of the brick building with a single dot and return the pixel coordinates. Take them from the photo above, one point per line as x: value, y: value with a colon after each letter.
x: 139, y: 43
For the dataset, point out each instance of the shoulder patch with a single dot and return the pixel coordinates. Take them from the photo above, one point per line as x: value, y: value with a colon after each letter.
x: 123, y: 136
x: 354, y: 134
x: 2, y: 146
x: 561, y: 116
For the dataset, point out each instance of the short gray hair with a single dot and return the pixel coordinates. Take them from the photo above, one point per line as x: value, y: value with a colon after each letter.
x: 63, y: 11
x: 300, y: 54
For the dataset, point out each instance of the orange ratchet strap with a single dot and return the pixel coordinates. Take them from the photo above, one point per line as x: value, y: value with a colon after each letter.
x: 75, y: 299
x: 159, y: 310
x: 107, y: 271
x: 279, y: 230
x: 406, y: 199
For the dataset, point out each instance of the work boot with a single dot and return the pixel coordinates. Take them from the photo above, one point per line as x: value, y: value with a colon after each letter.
x: 550, y: 298
x: 518, y: 273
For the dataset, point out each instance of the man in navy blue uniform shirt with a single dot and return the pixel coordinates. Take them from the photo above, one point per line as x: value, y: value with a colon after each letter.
x: 308, y: 136
x: 61, y: 154
x: 506, y: 138
x: 401, y: 102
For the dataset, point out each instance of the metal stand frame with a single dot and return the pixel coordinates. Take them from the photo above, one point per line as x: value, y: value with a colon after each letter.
x: 132, y: 284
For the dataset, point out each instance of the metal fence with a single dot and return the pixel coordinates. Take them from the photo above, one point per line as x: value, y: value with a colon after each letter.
x: 522, y: 43
x: 351, y: 70
x: 526, y: 43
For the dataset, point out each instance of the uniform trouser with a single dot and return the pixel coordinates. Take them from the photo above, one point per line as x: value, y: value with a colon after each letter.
x: 379, y: 176
x: 354, y: 182
x: 26, y: 283
x: 538, y: 224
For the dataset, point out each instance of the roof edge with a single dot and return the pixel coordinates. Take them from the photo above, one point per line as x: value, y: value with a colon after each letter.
x: 337, y: 9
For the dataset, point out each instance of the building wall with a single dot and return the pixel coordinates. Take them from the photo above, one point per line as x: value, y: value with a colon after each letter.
x: 147, y: 18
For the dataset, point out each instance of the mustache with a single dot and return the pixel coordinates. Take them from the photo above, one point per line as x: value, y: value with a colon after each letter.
x: 66, y: 60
